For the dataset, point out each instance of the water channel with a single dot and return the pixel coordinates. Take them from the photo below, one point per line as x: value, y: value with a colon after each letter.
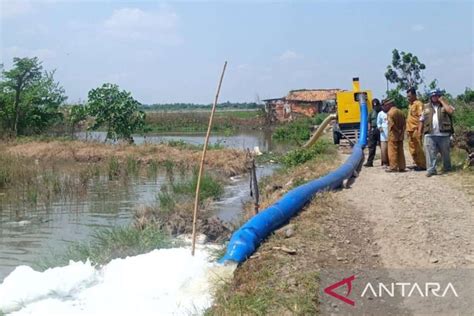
x: 30, y: 233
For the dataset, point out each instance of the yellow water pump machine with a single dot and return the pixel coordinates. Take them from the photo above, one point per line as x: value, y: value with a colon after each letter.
x: 347, y: 123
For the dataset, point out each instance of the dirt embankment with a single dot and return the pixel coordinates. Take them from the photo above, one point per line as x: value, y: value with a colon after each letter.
x: 227, y: 161
x: 384, y: 222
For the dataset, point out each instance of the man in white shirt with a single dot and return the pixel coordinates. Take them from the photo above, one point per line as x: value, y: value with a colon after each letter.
x: 382, y: 125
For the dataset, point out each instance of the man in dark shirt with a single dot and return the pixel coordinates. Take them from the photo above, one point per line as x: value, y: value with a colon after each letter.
x: 374, y: 133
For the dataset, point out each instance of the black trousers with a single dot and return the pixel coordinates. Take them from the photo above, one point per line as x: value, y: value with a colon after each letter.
x: 374, y: 138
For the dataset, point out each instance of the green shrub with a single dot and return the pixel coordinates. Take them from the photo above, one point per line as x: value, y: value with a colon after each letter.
x: 298, y: 131
x: 463, y: 116
x: 318, y: 119
x: 301, y: 155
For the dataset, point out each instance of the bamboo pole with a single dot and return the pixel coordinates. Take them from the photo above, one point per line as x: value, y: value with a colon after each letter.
x: 201, y: 166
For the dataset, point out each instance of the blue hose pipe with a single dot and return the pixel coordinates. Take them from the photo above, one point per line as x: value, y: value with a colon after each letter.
x: 248, y: 237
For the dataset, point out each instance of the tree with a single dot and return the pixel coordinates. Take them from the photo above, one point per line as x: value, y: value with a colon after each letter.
x: 405, y: 70
x: 29, y: 97
x: 77, y: 113
x: 400, y: 101
x: 467, y: 96
x: 115, y: 110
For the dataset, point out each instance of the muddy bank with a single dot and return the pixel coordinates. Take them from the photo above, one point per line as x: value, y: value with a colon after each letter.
x: 227, y: 161
x: 179, y: 222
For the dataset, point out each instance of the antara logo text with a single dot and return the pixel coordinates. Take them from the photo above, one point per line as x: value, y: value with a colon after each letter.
x: 402, y: 289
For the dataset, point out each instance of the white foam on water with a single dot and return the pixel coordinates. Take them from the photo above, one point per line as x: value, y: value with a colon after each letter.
x: 162, y: 282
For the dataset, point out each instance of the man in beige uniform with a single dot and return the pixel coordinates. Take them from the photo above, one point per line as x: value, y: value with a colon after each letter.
x: 414, y: 138
x: 396, y: 131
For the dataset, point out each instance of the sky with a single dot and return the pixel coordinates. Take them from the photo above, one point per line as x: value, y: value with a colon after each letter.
x: 174, y: 51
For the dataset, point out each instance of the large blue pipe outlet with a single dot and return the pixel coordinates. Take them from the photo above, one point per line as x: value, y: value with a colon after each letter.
x: 247, y: 238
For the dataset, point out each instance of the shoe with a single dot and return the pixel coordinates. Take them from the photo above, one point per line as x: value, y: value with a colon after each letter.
x: 368, y: 164
x: 419, y: 169
x: 390, y: 170
x: 412, y: 167
x: 429, y: 174
x: 402, y: 170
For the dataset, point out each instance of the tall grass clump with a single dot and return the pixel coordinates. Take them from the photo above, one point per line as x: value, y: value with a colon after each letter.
x: 166, y: 200
x: 5, y: 172
x: 113, y: 167
x: 132, y: 166
x: 299, y: 156
x: 153, y: 168
x: 108, y: 244
x: 210, y: 187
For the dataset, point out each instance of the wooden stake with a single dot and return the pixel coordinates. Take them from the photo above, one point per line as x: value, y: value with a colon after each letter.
x: 201, y: 166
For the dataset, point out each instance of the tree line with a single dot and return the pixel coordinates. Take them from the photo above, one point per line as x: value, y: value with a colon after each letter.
x: 196, y: 106
x: 31, y: 102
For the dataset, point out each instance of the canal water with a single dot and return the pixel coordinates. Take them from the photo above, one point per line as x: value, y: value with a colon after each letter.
x: 242, y: 140
x: 28, y: 234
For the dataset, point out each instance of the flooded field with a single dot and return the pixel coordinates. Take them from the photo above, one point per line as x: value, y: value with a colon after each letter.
x: 241, y: 140
x: 30, y: 232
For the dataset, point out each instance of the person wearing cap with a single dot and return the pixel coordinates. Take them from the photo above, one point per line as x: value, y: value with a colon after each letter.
x: 414, y: 137
x: 437, y: 127
x: 396, y: 131
x: 374, y: 133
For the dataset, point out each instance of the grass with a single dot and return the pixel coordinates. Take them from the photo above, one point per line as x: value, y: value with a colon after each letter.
x: 225, y: 122
x: 113, y: 168
x: 298, y: 130
x: 227, y: 161
x: 184, y: 145
x: 173, y: 212
x: 210, y: 187
x: 240, y: 114
x: 175, y: 194
x: 27, y: 180
x: 302, y: 155
x: 36, y: 173
x: 275, y: 283
x: 108, y: 244
x: 463, y: 117
x: 167, y: 201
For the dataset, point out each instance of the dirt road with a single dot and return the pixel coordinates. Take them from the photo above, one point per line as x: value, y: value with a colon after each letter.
x: 417, y: 222
x: 388, y: 224
x: 409, y: 227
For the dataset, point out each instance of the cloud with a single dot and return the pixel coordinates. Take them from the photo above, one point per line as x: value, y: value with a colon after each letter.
x: 136, y: 24
x: 12, y: 8
x: 418, y: 28
x: 289, y: 55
